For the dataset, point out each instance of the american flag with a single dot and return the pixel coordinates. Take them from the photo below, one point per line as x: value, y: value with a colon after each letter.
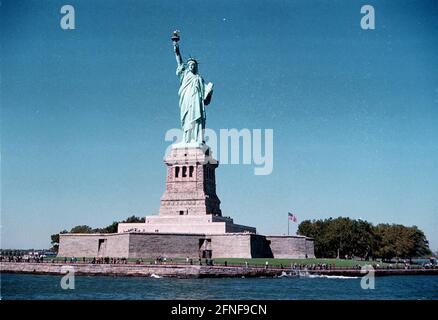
x: 292, y: 217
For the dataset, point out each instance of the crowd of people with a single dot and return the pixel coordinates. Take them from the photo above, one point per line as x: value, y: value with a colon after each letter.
x: 97, y: 260
x: 33, y: 259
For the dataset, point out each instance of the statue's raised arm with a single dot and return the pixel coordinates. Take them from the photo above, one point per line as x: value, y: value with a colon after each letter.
x: 179, y: 60
x: 175, y: 39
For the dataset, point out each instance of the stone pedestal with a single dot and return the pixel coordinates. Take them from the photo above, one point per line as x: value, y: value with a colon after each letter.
x: 190, y: 183
x: 189, y: 204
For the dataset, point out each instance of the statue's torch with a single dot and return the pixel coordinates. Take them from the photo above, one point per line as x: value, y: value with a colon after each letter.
x: 175, y: 37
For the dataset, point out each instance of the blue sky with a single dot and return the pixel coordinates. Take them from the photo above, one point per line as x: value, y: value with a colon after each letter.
x: 84, y: 111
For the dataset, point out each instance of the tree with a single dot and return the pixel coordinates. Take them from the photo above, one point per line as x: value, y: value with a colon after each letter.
x: 55, y: 240
x: 420, y: 244
x: 81, y: 229
x: 318, y: 230
x: 112, y: 228
x: 134, y: 219
x: 347, y: 237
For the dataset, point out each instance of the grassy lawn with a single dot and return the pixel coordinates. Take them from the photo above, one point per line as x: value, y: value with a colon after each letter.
x: 255, y: 261
x: 288, y: 262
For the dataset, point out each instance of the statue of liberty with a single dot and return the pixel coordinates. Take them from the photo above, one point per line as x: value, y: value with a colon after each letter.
x: 194, y: 95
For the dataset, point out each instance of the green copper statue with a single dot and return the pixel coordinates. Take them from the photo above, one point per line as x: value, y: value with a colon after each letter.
x: 194, y: 95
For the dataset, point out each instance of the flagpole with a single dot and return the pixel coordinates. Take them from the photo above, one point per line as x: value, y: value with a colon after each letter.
x: 288, y: 224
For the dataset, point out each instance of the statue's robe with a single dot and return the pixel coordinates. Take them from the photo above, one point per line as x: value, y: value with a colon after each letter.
x: 191, y: 103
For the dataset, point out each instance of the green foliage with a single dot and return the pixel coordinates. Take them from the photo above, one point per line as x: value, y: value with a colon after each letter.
x: 55, y: 240
x: 398, y: 241
x: 134, y: 219
x: 81, y: 229
x: 112, y: 228
x: 345, y: 237
x: 287, y: 262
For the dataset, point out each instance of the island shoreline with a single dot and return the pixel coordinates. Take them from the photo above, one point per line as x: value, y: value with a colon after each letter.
x: 189, y: 271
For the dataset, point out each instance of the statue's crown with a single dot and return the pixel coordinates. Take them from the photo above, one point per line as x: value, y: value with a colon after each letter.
x: 192, y: 59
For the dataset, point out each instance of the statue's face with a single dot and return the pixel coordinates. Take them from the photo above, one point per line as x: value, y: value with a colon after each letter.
x: 193, y: 67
